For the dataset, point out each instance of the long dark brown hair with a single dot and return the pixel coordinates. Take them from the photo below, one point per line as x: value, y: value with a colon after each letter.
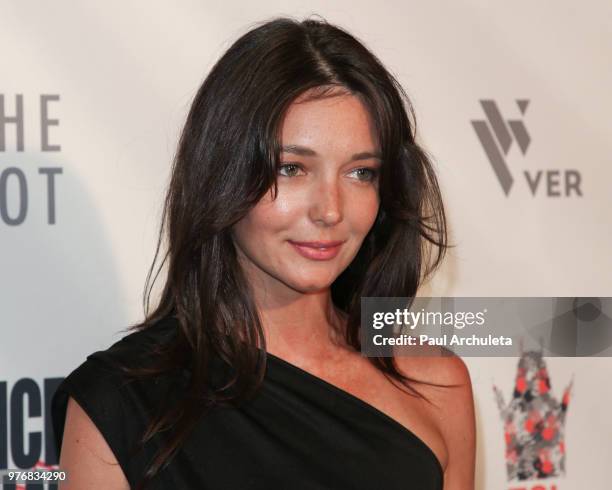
x: 227, y: 159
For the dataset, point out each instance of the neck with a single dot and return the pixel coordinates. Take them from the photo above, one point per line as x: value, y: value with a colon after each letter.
x: 309, y: 327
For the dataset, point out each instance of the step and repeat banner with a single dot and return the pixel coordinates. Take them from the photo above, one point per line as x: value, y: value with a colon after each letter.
x: 512, y: 102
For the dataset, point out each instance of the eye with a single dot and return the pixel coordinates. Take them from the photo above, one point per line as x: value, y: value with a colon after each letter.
x: 368, y: 174
x: 291, y: 167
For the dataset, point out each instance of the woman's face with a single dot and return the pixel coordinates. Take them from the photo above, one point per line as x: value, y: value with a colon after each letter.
x: 327, y: 192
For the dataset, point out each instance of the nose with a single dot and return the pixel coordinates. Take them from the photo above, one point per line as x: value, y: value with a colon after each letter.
x: 326, y: 202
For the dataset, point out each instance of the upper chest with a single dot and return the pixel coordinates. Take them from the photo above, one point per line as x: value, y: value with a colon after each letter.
x: 360, y: 379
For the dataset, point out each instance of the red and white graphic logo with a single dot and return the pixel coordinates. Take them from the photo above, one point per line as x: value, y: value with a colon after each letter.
x: 534, y: 422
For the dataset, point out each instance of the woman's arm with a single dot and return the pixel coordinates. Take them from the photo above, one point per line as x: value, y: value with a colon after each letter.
x: 458, y: 425
x: 86, y: 457
x: 452, y: 413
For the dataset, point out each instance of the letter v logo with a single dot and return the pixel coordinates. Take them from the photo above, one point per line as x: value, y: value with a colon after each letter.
x: 496, y: 136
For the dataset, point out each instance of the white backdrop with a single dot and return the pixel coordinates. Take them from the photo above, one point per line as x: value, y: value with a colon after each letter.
x: 116, y: 79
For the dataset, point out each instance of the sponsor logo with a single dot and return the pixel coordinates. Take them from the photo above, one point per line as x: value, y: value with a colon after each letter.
x: 534, y: 423
x: 25, y: 404
x: 497, y: 135
x: 21, y: 183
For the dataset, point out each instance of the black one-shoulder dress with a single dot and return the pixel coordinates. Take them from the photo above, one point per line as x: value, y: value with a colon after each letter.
x: 298, y: 432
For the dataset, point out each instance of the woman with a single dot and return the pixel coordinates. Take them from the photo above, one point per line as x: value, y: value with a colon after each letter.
x: 297, y: 189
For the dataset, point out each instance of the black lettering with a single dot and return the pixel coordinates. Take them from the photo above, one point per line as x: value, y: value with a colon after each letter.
x: 50, y: 173
x: 572, y: 181
x: 45, y: 122
x: 23, y: 196
x: 552, y: 179
x: 3, y: 427
x: 50, y: 387
x: 533, y: 184
x: 25, y: 387
x: 17, y: 119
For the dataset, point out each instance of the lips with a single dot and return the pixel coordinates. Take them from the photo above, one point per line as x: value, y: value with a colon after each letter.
x: 321, y: 244
x: 320, y: 250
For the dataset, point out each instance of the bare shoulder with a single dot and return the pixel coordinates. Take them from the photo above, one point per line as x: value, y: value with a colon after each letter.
x: 447, y: 369
x: 85, y: 455
x: 453, y: 411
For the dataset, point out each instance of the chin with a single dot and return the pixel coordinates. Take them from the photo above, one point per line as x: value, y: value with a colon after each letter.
x: 312, y: 286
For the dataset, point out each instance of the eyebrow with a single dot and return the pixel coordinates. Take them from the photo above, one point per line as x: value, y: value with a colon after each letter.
x: 308, y: 152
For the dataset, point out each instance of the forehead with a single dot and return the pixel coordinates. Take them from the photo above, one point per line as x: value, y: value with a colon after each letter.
x: 338, y: 116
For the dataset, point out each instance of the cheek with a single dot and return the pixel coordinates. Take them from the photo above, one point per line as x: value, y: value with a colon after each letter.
x: 364, y: 216
x: 265, y: 220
